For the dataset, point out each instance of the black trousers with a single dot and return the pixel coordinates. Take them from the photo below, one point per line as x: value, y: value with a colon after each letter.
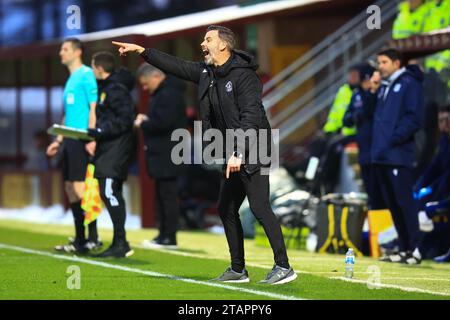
x: 111, y: 194
x: 370, y: 185
x: 396, y: 184
x: 232, y: 194
x: 167, y: 206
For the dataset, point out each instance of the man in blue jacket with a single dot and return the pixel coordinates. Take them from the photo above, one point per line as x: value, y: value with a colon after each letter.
x: 360, y: 113
x: 397, y: 117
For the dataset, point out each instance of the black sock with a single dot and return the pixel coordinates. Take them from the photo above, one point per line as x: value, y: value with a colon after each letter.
x: 118, y: 215
x: 78, y: 216
x: 93, y: 235
x: 237, y: 268
x: 284, y: 265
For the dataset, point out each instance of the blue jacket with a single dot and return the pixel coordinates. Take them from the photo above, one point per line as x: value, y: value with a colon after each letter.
x: 360, y: 113
x: 437, y: 175
x: 397, y: 118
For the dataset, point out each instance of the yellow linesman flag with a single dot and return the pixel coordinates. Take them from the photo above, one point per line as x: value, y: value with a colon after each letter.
x: 91, y: 202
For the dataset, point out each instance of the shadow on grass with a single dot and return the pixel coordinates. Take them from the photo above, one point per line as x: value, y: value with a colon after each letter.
x: 183, y: 250
x: 192, y: 251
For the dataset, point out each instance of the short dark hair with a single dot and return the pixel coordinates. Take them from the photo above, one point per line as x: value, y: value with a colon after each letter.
x: 225, y: 35
x: 392, y: 54
x: 105, y: 60
x: 76, y: 43
x: 365, y: 70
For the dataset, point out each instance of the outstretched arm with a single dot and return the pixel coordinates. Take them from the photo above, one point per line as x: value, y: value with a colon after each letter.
x: 128, y: 47
x: 187, y: 70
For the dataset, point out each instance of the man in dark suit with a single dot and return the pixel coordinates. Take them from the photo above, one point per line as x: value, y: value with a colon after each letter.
x: 166, y: 113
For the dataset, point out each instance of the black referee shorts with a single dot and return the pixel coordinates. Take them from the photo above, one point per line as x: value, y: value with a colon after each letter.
x: 76, y: 160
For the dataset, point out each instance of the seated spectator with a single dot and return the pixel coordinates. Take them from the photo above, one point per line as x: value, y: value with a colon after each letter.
x: 434, y: 184
x: 440, y: 207
x: 435, y: 93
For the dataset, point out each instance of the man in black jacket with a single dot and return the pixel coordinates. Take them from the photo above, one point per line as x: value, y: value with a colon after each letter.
x: 166, y: 112
x: 115, y: 144
x: 230, y: 92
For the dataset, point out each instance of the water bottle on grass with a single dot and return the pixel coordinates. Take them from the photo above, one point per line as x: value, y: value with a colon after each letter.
x: 349, y: 263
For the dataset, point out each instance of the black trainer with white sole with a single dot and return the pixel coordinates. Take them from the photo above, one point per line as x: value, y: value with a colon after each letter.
x: 117, y: 250
x: 74, y: 246
x: 412, y: 258
x: 94, y: 245
x: 161, y: 243
x: 395, y: 257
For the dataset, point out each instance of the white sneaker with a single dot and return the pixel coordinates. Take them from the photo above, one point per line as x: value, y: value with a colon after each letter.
x: 425, y: 223
x: 154, y: 244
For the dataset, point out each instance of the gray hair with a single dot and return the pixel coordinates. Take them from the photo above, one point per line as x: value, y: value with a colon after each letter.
x: 146, y: 70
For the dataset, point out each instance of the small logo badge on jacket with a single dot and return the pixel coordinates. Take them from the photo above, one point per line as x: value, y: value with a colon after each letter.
x: 229, y: 86
x: 102, y: 97
x: 70, y: 98
x: 397, y: 87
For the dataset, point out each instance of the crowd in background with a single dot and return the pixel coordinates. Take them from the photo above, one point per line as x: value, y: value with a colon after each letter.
x: 402, y: 128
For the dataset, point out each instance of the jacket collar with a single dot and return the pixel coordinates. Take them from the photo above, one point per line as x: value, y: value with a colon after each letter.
x: 161, y: 85
x: 396, y: 75
x: 223, y: 70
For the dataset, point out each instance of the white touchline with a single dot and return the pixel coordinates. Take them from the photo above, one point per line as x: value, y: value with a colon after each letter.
x: 258, y: 265
x: 417, y: 279
x: 149, y: 273
x: 393, y: 286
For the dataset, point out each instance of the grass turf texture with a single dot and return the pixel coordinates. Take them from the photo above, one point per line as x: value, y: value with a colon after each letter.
x: 201, y: 257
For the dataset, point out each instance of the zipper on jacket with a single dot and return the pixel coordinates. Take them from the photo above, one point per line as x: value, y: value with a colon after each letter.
x: 214, y: 83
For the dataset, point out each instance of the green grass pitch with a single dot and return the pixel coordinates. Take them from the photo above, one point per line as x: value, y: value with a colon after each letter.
x: 29, y: 269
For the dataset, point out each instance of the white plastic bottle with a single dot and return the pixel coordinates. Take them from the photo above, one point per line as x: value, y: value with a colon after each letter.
x: 349, y: 263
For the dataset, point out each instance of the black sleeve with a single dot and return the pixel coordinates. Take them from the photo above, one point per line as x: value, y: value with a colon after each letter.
x: 164, y: 114
x: 121, y: 103
x: 370, y: 103
x: 249, y: 91
x: 187, y: 70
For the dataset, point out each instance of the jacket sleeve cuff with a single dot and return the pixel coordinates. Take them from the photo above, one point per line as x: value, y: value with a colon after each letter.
x: 95, y: 133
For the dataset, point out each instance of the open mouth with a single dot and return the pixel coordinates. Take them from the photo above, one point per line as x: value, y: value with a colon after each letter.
x: 205, y: 52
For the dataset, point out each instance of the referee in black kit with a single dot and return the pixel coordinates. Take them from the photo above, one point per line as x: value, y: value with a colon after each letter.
x: 230, y: 98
